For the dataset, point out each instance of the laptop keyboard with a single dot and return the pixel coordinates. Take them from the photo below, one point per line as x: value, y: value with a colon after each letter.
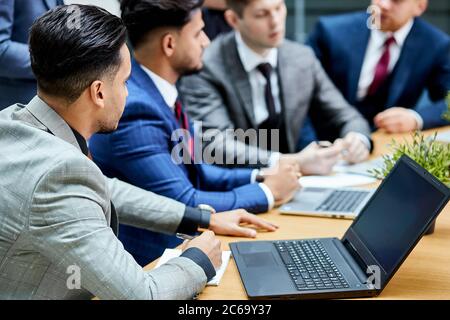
x: 310, y: 266
x: 343, y: 201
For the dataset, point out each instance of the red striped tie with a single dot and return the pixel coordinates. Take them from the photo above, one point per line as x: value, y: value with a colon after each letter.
x: 184, y: 123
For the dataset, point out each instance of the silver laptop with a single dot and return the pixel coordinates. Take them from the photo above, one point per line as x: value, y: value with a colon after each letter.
x: 344, y: 203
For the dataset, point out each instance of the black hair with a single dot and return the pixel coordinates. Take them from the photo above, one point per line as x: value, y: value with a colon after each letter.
x: 144, y: 16
x: 72, y: 46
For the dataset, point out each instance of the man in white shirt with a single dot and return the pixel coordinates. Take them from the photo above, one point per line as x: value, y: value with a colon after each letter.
x: 385, y: 63
x: 255, y: 79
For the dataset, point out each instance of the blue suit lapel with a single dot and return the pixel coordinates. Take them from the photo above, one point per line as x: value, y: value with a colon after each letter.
x: 402, y: 70
x: 147, y: 84
x: 357, y: 41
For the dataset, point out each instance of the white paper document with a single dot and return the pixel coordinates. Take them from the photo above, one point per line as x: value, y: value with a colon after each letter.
x: 174, y: 253
x: 362, y: 168
x: 443, y: 137
x: 338, y: 180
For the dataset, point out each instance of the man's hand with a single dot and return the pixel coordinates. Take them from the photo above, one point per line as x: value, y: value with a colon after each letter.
x: 282, y: 180
x: 209, y: 244
x: 396, y: 120
x: 316, y: 160
x: 354, y: 149
x: 229, y: 224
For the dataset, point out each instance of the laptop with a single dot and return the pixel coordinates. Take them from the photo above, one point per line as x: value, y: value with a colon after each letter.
x: 345, y: 203
x: 360, y: 264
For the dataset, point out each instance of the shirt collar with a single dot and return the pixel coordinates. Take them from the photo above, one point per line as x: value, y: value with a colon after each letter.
x: 400, y: 35
x: 168, y: 91
x: 250, y: 59
x: 81, y: 142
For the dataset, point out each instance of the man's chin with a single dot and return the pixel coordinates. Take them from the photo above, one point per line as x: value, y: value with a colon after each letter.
x: 190, y: 72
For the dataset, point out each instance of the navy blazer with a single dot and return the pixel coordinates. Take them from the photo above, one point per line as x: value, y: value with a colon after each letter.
x: 340, y: 43
x: 17, y: 83
x: 139, y: 152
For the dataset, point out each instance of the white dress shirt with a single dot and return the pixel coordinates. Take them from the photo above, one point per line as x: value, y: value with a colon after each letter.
x: 251, y: 60
x: 375, y: 50
x: 169, y: 93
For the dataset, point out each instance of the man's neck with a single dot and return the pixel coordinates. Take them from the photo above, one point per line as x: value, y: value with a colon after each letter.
x: 263, y: 52
x: 155, y: 65
x: 72, y: 114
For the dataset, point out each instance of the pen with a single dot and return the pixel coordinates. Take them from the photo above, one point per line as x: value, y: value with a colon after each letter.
x: 183, y: 236
x: 327, y: 144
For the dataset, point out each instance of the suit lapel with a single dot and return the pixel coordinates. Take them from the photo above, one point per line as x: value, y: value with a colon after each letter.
x: 402, y: 70
x: 240, y: 76
x: 50, y: 4
x: 288, y: 89
x: 52, y: 121
x: 358, y: 42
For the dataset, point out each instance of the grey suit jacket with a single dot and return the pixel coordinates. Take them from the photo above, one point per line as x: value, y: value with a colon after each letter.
x: 55, y: 214
x: 220, y: 96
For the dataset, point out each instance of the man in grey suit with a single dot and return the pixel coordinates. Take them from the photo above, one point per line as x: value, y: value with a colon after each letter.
x: 58, y: 212
x: 255, y: 79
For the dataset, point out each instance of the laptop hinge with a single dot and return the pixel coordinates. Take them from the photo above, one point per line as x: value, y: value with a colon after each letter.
x: 359, y: 268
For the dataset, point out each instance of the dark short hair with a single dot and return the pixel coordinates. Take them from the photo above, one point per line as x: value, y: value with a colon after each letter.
x: 144, y: 16
x: 238, y: 6
x: 72, y: 46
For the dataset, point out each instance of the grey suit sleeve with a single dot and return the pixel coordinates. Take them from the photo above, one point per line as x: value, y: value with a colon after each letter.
x: 205, y: 101
x: 330, y: 112
x: 14, y: 57
x: 143, y: 209
x: 67, y: 225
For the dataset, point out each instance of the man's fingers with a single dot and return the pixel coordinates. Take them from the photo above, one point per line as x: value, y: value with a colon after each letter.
x: 258, y: 222
x: 331, y: 152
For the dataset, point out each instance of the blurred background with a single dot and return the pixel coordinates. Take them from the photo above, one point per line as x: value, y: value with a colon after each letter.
x: 304, y: 13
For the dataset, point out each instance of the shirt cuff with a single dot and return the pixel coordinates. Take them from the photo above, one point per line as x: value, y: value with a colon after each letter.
x: 419, y: 119
x: 254, y: 175
x: 193, y: 219
x: 274, y: 159
x: 200, y: 258
x: 364, y: 140
x: 269, y: 196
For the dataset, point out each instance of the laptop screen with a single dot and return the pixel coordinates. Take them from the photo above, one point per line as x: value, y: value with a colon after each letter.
x: 397, y: 214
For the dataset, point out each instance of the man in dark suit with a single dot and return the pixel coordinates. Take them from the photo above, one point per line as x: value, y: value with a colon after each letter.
x: 256, y: 79
x: 17, y: 82
x: 385, y: 71
x: 214, y: 18
x: 168, y: 42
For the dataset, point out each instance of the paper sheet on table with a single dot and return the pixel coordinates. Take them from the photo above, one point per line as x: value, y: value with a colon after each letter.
x: 338, y: 180
x: 443, y: 137
x: 174, y: 253
x: 362, y: 168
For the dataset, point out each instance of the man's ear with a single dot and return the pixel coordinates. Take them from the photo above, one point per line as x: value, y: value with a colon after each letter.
x: 97, y: 93
x: 169, y: 44
x: 421, y: 7
x: 232, y: 18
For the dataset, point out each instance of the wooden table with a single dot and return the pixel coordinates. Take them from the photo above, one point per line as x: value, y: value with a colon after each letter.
x: 424, y: 275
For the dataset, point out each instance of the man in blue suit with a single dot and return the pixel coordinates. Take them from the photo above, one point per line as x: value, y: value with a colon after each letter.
x: 17, y: 82
x: 168, y: 41
x: 388, y: 73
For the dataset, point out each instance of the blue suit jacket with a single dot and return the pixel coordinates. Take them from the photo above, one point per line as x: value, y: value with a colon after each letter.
x: 17, y: 83
x: 139, y: 152
x: 340, y: 43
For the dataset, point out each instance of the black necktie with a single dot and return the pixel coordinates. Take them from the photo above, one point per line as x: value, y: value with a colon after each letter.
x: 273, y: 120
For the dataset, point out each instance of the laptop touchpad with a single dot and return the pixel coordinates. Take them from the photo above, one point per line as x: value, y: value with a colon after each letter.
x: 259, y: 259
